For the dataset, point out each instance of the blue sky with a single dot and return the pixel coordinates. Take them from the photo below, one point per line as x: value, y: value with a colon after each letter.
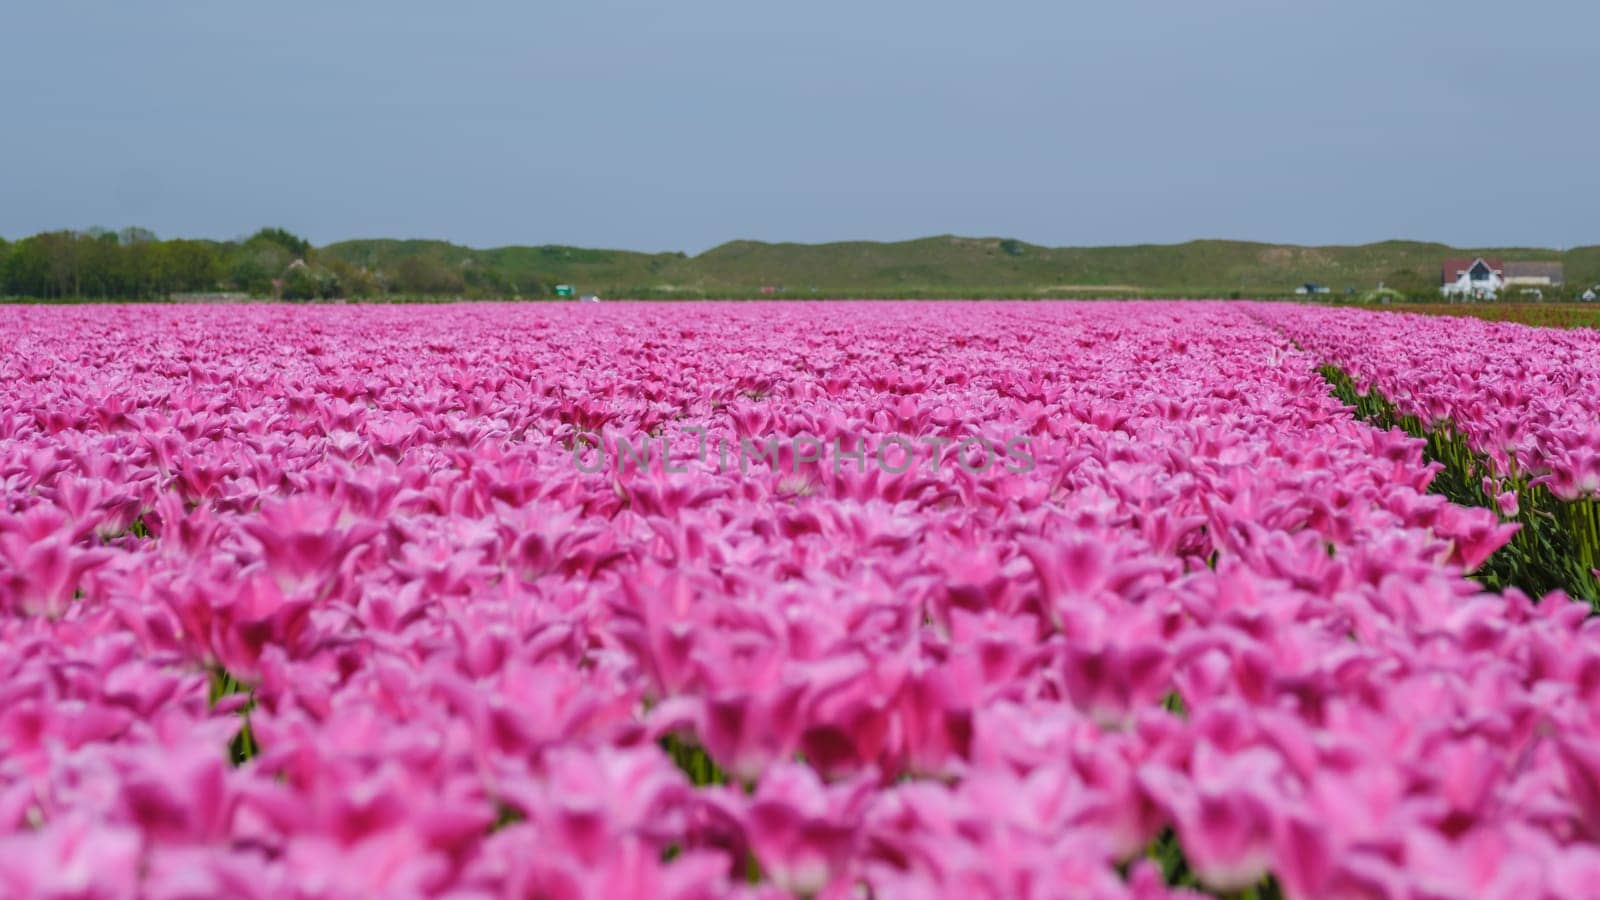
x: 676, y: 126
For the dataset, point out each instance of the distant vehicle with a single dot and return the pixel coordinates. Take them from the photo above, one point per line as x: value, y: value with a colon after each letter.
x: 1312, y: 287
x: 589, y: 298
x: 1589, y: 295
x: 564, y: 290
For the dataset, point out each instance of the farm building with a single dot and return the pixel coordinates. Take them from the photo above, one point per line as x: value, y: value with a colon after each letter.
x: 1533, y: 274
x: 1483, y: 278
x: 1478, y: 278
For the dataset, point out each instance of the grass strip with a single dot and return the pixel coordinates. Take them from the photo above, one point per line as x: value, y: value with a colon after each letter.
x: 1558, y: 545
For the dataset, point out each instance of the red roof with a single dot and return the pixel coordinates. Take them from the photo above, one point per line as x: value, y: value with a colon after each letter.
x: 1455, y: 268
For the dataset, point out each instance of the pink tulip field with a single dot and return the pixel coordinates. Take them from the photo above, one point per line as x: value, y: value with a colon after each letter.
x: 847, y: 600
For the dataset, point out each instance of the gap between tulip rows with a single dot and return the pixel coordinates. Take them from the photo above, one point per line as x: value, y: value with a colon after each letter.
x: 1557, y: 546
x: 230, y: 694
x: 226, y: 692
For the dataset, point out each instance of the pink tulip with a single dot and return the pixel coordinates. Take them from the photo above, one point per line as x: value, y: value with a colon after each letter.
x: 74, y: 858
x: 803, y: 833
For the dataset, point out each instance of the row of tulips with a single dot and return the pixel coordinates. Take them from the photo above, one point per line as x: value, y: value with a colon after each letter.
x: 318, y: 603
x: 1511, y: 413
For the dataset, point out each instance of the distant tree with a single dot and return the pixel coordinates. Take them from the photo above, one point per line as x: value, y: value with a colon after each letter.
x: 426, y: 274
x: 100, y: 272
x: 91, y: 263
x: 255, y: 264
x: 328, y: 285
x: 351, y: 280
x: 62, y: 255
x: 132, y: 264
x: 297, y: 247
x: 300, y: 283
x: 137, y: 268
x: 183, y: 266
x: 27, y: 269
x: 531, y: 286
x: 1013, y: 247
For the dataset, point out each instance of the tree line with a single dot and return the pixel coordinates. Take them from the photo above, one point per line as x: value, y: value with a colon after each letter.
x: 134, y: 264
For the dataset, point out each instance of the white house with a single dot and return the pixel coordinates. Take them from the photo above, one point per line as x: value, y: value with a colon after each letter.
x: 1478, y: 278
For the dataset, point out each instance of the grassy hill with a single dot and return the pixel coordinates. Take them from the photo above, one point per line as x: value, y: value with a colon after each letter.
x: 949, y: 266
x: 135, y: 264
x: 605, y: 269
